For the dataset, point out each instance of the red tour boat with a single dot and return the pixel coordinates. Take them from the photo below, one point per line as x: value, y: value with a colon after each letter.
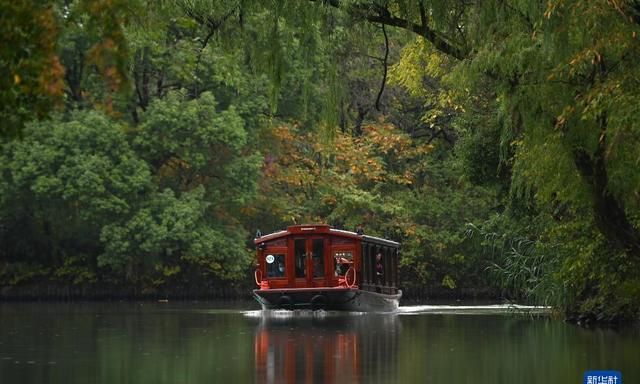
x: 318, y: 267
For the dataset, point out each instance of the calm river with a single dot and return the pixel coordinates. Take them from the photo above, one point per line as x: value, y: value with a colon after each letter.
x: 207, y: 343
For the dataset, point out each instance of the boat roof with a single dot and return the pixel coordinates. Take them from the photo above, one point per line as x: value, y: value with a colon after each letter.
x: 323, y: 228
x: 380, y: 240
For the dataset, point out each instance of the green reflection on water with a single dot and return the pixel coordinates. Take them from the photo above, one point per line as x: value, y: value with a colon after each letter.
x: 508, y: 349
x: 124, y: 343
x: 196, y: 343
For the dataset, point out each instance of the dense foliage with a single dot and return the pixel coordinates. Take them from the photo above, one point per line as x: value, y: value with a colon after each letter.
x: 497, y: 140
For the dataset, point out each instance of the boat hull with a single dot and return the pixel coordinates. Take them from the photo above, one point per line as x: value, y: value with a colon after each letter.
x: 330, y: 299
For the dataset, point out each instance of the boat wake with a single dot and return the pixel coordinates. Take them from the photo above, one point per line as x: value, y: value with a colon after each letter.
x: 473, y: 309
x: 298, y: 314
x: 494, y: 309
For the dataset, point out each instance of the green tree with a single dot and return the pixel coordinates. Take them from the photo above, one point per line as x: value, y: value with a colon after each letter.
x: 31, y: 83
x: 62, y: 183
x: 78, y: 201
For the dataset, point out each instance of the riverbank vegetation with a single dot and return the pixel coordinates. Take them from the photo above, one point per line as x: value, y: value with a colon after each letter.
x: 143, y: 143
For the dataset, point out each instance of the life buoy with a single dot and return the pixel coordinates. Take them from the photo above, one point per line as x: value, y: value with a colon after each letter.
x: 258, y: 279
x: 285, y: 302
x: 318, y: 302
x: 346, y: 277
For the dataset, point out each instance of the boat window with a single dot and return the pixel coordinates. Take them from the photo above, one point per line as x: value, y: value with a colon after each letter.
x: 300, y: 255
x: 318, y: 257
x: 275, y: 265
x: 342, y: 261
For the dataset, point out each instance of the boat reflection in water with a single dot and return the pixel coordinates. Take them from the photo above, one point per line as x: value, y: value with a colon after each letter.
x: 331, y: 347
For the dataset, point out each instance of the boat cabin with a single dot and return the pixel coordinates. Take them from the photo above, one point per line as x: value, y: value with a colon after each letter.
x: 318, y: 256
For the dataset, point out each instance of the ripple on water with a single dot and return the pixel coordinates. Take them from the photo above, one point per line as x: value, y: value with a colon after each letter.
x: 473, y: 309
x: 407, y: 310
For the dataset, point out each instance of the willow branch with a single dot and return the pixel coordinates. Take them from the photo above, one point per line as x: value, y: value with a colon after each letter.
x: 384, y: 65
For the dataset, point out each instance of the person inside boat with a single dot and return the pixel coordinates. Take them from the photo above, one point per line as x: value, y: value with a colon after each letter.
x: 379, y: 269
x: 342, y: 265
x: 280, y: 269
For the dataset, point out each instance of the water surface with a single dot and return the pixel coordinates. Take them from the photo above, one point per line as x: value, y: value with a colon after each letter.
x: 211, y: 343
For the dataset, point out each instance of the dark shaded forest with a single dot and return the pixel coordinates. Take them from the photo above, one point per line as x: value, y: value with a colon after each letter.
x: 143, y: 143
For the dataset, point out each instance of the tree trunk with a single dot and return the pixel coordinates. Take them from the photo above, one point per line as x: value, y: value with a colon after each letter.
x: 609, y: 215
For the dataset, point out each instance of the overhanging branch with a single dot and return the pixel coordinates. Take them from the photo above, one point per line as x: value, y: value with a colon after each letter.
x: 378, y: 14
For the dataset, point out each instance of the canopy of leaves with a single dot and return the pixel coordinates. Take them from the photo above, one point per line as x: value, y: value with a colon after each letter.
x: 156, y: 138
